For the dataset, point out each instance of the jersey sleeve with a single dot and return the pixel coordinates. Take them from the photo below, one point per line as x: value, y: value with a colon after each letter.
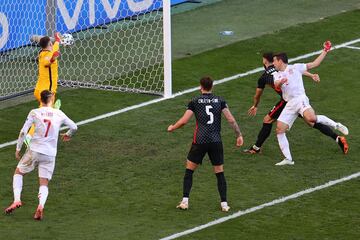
x: 69, y: 123
x: 28, y: 123
x: 56, y: 47
x: 191, y: 106
x: 301, y: 67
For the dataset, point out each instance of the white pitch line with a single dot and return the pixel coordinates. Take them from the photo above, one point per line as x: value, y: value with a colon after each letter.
x: 353, y: 47
x: 224, y: 80
x: 259, y: 207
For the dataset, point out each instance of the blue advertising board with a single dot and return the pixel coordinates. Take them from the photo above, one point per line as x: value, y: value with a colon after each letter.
x: 20, y: 19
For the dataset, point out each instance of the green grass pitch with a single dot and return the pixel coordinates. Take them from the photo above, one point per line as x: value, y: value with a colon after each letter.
x: 121, y: 178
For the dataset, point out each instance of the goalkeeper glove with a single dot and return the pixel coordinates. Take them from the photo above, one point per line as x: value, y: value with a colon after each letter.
x: 327, y: 46
x: 57, y: 37
x: 54, y: 56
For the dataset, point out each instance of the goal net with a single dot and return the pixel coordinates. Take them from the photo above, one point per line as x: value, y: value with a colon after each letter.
x: 120, y: 45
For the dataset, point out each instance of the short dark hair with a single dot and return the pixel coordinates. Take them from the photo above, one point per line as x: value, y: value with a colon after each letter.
x: 268, y: 56
x: 206, y: 83
x: 46, y: 96
x: 281, y: 56
x: 44, y: 42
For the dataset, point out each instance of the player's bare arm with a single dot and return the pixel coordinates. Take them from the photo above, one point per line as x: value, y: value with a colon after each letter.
x: 253, y: 110
x: 182, y: 121
x: 315, y: 77
x: 28, y: 123
x: 320, y: 58
x: 231, y: 120
x: 66, y: 137
x: 280, y: 82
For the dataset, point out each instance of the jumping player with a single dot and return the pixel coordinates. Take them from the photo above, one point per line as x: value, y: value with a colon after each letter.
x: 267, y: 79
x: 207, y: 138
x: 289, y: 79
x: 47, y: 73
x: 42, y: 151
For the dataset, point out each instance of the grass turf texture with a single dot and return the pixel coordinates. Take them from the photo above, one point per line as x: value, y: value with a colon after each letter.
x: 122, y: 177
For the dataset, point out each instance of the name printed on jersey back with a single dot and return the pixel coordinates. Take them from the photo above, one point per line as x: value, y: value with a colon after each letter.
x: 208, y: 100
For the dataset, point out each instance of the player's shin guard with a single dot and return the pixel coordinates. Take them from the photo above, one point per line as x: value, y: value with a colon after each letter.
x: 222, y: 187
x: 187, y: 182
x: 263, y: 134
x: 326, y: 121
x: 326, y: 130
x: 17, y: 187
x: 284, y: 145
x: 43, y: 194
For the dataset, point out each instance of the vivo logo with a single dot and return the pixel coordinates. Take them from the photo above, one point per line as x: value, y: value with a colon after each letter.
x: 111, y: 10
x: 4, y: 37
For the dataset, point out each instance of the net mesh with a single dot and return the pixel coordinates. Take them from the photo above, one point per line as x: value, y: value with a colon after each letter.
x: 122, y: 53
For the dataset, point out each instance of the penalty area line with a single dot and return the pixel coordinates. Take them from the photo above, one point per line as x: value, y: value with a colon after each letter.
x: 259, y: 207
x: 217, y: 82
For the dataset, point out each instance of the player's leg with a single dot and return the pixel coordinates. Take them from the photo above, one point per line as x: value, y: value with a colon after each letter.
x: 331, y: 123
x: 281, y: 129
x: 43, y: 194
x: 313, y: 120
x: 265, y: 131
x: 46, y: 169
x: 216, y: 155
x: 284, y: 123
x: 195, y: 157
x: 25, y: 165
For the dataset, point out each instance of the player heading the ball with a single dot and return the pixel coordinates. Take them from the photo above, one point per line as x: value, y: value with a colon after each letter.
x: 207, y: 138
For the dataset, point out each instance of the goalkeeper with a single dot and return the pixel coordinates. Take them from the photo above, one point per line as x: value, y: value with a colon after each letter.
x: 47, y: 73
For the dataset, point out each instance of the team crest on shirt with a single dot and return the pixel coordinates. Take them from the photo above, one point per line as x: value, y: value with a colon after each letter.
x: 291, y: 71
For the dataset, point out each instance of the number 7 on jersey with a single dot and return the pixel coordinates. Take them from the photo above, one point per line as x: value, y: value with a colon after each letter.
x: 48, y: 122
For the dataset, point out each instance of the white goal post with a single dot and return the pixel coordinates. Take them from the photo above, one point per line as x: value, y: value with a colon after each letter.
x: 119, y: 45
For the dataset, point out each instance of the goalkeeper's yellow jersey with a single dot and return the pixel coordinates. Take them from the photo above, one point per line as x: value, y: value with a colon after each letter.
x: 48, y: 72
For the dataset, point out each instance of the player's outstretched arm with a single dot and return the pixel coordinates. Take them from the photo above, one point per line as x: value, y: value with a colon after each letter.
x: 28, y: 123
x: 314, y: 76
x: 320, y: 58
x: 72, y: 129
x: 231, y: 120
x: 181, y: 122
x: 56, y: 46
x: 252, y: 111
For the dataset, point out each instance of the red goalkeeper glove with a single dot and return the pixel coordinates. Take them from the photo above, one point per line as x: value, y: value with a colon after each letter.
x: 327, y: 46
x: 57, y: 37
x: 54, y: 56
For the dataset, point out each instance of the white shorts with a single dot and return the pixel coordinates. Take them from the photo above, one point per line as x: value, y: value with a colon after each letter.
x: 31, y: 159
x: 293, y: 108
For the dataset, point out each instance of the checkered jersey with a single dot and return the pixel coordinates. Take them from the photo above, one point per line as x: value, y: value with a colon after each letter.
x: 267, y: 78
x: 207, y: 109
